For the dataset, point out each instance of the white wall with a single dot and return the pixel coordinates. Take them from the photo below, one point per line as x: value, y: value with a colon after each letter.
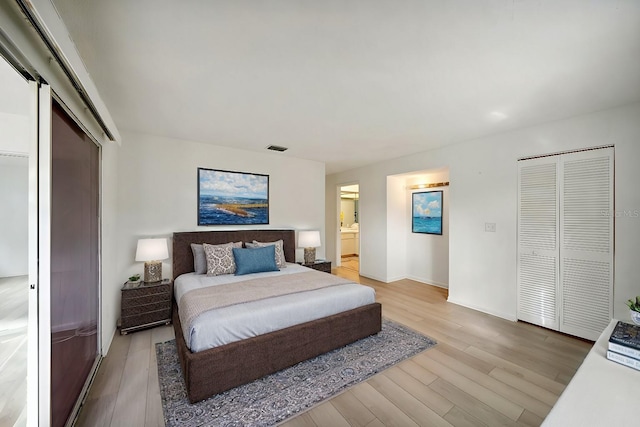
x: 16, y: 102
x: 15, y: 131
x: 157, y: 195
x: 110, y: 299
x: 14, y: 224
x: 397, y: 222
x: 15, y: 106
x: 483, y: 175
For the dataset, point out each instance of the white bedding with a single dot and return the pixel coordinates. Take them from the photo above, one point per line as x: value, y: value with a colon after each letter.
x: 234, y: 323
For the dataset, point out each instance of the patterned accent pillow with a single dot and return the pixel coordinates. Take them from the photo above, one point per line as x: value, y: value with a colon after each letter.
x: 220, y: 258
x: 281, y: 261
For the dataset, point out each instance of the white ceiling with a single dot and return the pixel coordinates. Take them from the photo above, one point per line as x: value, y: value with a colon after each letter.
x: 354, y: 82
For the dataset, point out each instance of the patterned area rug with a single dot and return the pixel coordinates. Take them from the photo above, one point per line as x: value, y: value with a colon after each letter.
x: 286, y: 393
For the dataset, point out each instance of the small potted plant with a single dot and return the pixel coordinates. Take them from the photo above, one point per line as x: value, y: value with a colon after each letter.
x: 634, y: 309
x: 135, y: 278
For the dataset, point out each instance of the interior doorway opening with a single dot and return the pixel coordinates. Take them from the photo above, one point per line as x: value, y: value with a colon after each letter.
x: 350, y: 227
x: 16, y: 107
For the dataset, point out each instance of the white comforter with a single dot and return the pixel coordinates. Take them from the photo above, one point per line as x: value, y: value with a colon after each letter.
x: 229, y: 324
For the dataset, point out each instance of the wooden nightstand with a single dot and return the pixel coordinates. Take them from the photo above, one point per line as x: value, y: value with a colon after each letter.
x: 145, y: 305
x: 320, y: 266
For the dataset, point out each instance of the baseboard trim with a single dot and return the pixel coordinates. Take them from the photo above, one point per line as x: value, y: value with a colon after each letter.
x: 373, y: 277
x: 506, y: 316
x: 395, y: 279
x: 107, y: 346
x: 429, y: 282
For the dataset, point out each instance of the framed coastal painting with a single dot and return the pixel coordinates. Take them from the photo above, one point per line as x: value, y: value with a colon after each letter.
x: 232, y: 198
x: 426, y: 212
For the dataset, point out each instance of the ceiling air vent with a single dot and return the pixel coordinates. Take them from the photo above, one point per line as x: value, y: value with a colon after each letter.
x: 277, y: 148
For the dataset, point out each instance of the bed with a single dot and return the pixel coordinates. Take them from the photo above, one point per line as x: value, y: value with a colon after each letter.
x: 214, y: 370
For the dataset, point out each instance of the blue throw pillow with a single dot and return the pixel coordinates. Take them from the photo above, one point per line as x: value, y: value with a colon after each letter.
x: 255, y: 260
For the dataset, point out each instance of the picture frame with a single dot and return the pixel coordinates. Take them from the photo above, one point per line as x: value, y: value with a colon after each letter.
x: 426, y: 212
x: 232, y: 198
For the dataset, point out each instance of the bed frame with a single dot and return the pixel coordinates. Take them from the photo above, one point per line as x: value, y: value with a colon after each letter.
x: 213, y: 371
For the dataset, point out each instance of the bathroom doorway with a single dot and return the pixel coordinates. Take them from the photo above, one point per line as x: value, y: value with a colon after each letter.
x: 350, y: 227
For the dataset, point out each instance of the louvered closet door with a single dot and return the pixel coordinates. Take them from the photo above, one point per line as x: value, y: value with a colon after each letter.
x: 586, y: 242
x: 538, y: 238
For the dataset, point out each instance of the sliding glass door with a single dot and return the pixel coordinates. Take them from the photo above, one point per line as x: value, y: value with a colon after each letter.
x: 62, y: 181
x: 74, y: 262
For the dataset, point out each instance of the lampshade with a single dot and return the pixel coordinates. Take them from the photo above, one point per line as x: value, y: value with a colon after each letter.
x: 152, y: 250
x: 309, y: 239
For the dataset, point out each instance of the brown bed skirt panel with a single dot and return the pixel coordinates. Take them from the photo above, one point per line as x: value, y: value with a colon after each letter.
x: 213, y: 371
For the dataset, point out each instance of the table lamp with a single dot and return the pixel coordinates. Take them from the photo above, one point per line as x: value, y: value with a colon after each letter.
x: 309, y: 240
x: 152, y: 251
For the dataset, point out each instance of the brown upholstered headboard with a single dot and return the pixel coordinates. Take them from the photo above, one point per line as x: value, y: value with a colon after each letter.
x: 183, y: 257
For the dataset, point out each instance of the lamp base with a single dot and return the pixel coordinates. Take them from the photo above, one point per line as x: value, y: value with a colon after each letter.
x: 152, y: 271
x: 309, y: 255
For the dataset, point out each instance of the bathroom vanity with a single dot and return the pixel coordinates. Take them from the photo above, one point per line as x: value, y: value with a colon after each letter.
x: 350, y: 241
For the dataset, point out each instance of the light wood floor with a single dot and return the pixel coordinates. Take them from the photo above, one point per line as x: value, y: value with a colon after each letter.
x: 14, y: 307
x: 351, y: 263
x: 484, y: 371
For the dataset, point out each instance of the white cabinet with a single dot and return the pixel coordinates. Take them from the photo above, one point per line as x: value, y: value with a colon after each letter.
x: 350, y: 243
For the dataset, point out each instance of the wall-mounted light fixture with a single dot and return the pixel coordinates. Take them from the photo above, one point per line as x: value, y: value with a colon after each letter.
x: 421, y: 186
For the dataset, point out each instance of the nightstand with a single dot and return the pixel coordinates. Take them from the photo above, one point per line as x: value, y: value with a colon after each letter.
x: 320, y: 266
x: 145, y: 305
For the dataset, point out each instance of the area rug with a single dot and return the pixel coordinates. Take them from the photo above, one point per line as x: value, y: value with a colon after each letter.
x: 291, y: 391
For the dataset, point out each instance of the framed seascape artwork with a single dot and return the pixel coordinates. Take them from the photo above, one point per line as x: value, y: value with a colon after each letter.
x: 232, y: 198
x: 426, y: 212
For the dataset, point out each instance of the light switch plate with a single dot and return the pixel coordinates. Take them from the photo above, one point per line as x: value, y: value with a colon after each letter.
x: 490, y: 227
